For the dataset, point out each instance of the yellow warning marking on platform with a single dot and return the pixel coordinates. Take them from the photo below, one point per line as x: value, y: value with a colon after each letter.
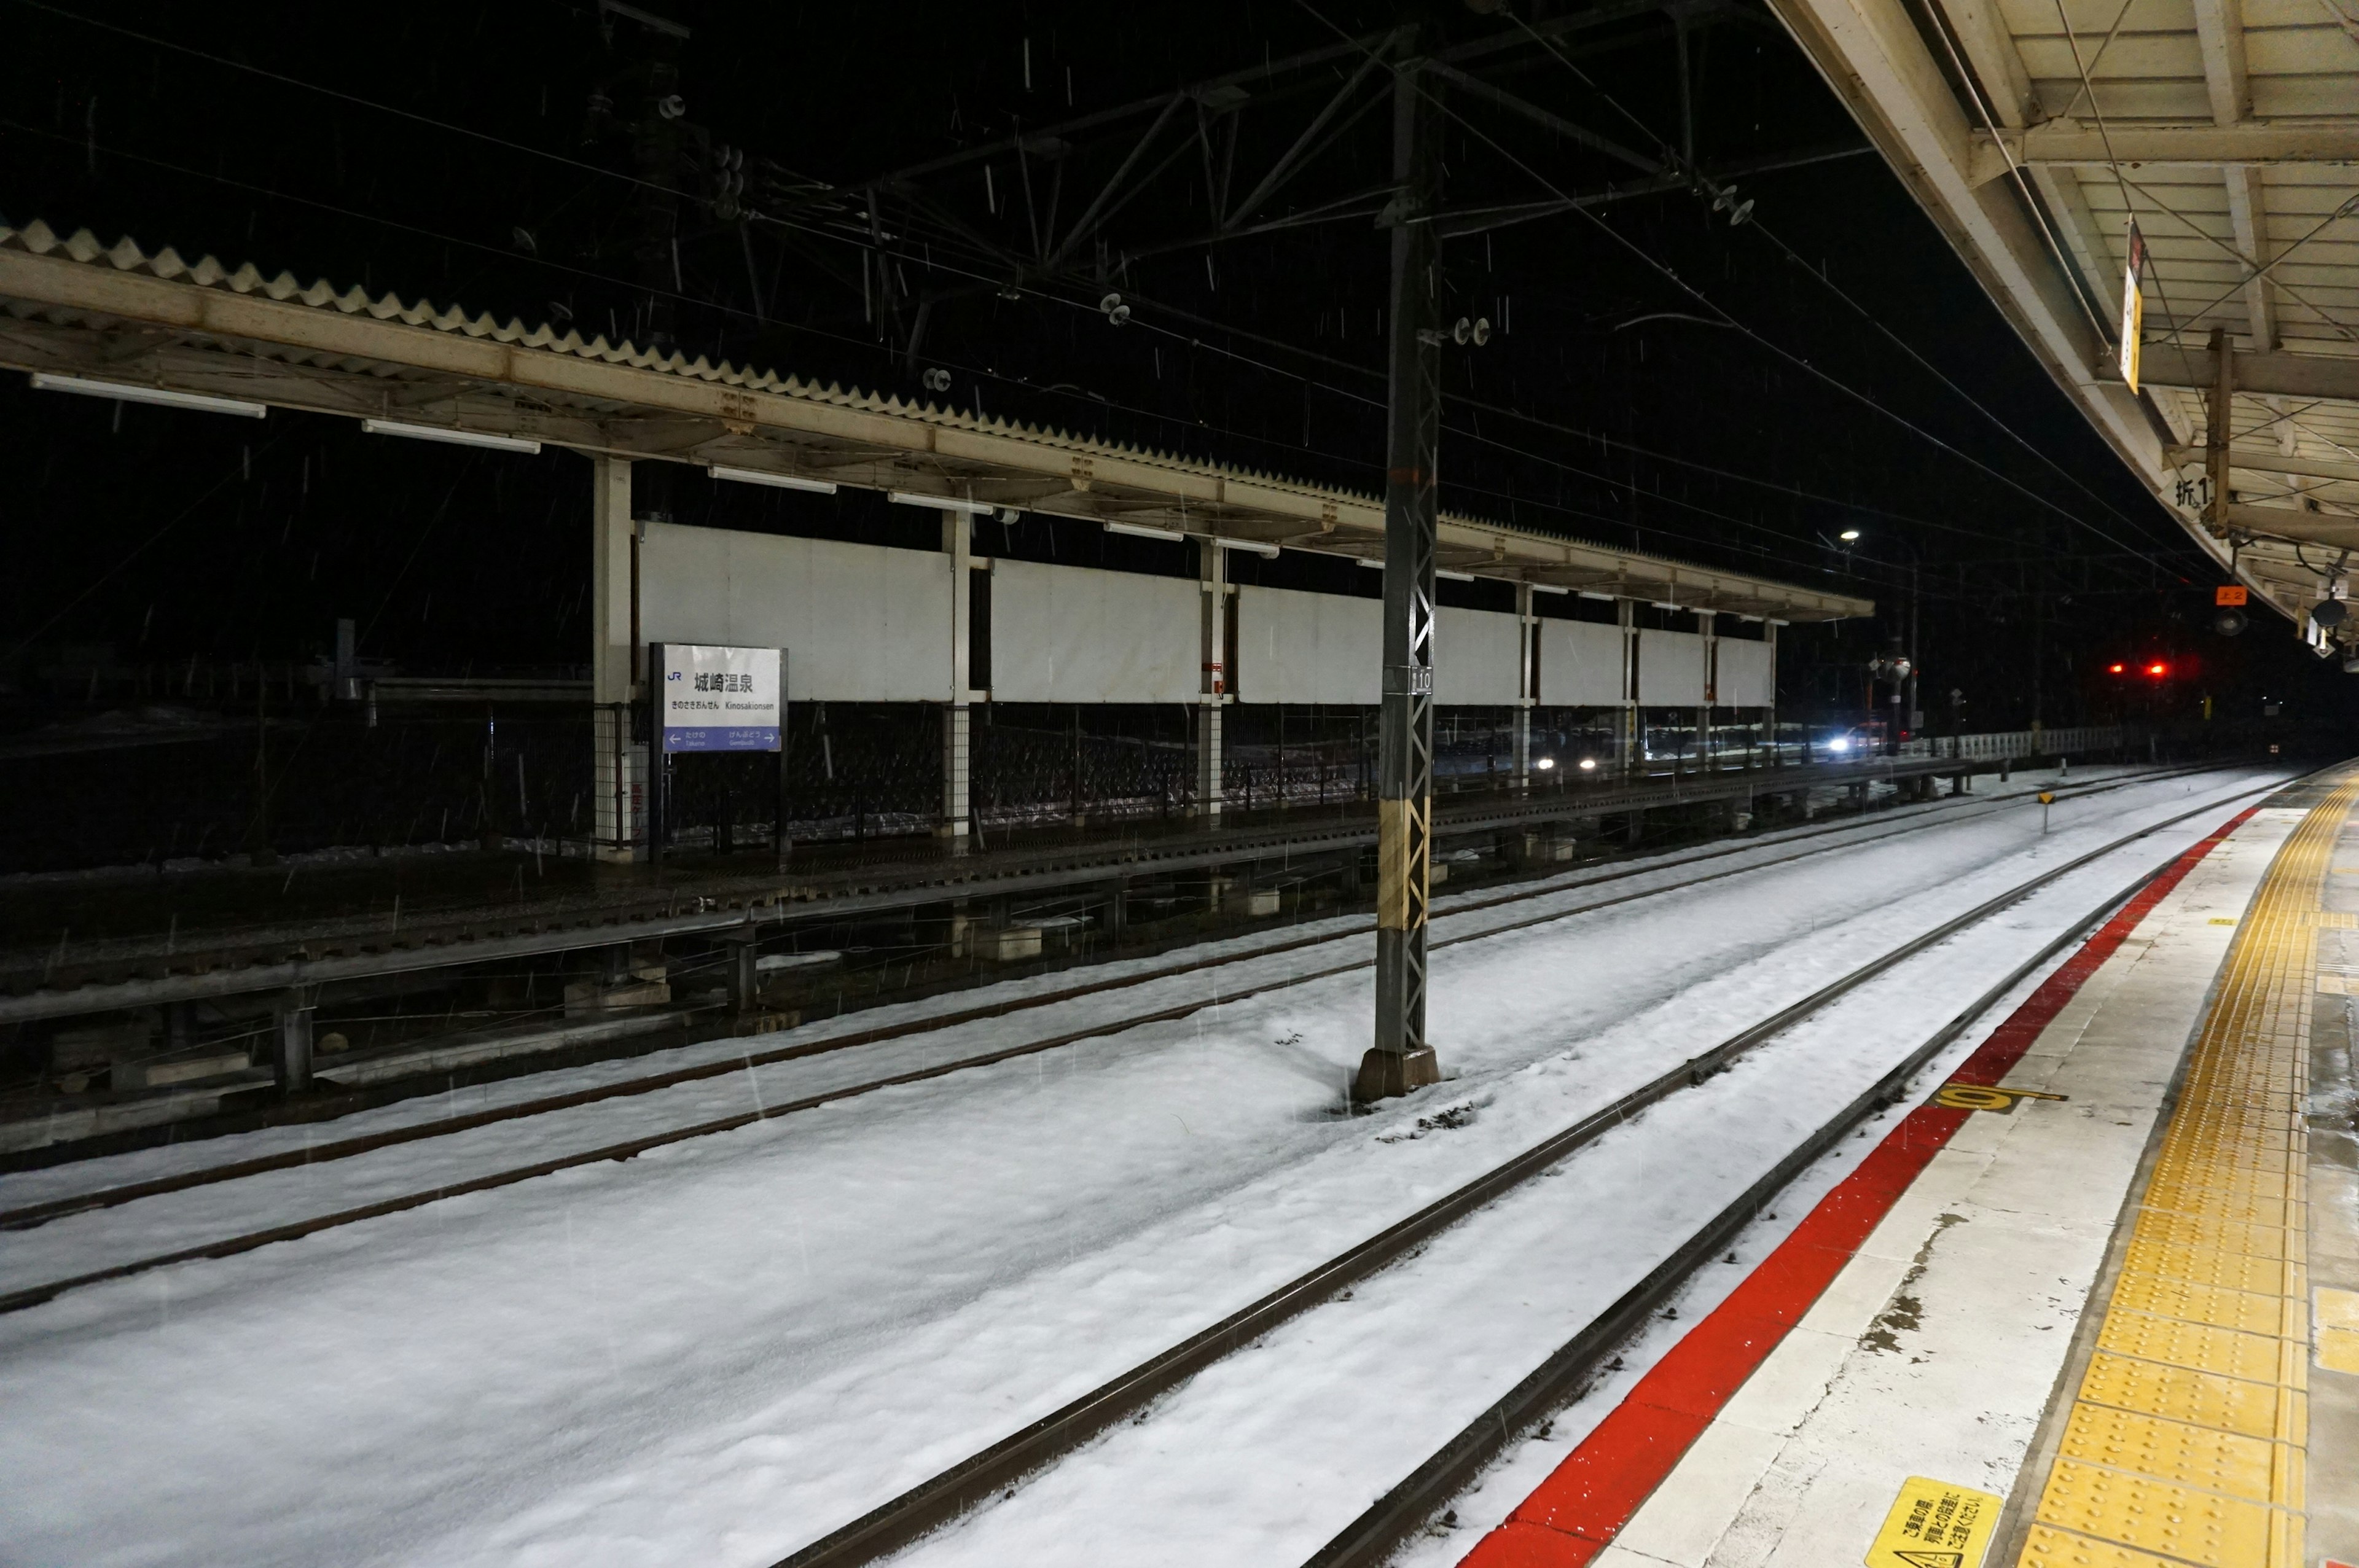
x: 2186, y: 1438
x: 2226, y: 1351
x: 2153, y: 1515
x: 2246, y: 1310
x: 1935, y: 1525
x: 2055, y: 1549
x: 2249, y: 1467
x: 1986, y: 1096
x: 2223, y: 920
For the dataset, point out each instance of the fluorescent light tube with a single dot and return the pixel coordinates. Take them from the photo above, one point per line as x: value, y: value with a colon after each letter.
x: 456, y: 437
x: 44, y: 382
x: 775, y: 481
x: 1255, y: 545
x: 1372, y: 565
x: 1549, y: 588
x: 1142, y: 531
x: 942, y: 503
x: 1454, y: 576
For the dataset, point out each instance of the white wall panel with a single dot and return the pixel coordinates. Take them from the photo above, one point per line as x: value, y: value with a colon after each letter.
x: 1475, y: 656
x: 1078, y: 634
x: 859, y: 622
x: 1580, y: 664
x: 1671, y: 668
x: 1309, y: 647
x: 1748, y: 675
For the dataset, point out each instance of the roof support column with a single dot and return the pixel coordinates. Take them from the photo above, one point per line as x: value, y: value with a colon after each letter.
x: 2218, y: 422
x: 1626, y: 716
x: 1213, y: 567
x: 958, y: 543
x: 1401, y: 1060
x: 1527, y: 683
x: 619, y: 762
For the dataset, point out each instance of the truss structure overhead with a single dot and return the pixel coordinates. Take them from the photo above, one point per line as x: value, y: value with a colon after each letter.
x: 2035, y: 131
x: 70, y: 305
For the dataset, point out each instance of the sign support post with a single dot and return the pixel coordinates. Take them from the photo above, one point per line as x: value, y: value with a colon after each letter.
x: 705, y: 697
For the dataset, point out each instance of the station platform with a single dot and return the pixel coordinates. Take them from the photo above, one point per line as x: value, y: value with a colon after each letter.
x: 2092, y: 1303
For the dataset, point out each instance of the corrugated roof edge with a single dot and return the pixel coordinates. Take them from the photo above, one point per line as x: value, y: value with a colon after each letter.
x: 126, y: 255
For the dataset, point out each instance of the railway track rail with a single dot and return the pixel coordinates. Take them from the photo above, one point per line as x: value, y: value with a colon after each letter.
x: 944, y: 1498
x: 105, y: 975
x: 1844, y: 835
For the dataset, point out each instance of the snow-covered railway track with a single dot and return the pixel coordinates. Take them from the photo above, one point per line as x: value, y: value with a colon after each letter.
x: 980, y: 1477
x: 507, y: 1172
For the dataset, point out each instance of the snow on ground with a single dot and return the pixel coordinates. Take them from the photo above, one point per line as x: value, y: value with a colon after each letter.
x: 1656, y: 870
x: 720, y: 1350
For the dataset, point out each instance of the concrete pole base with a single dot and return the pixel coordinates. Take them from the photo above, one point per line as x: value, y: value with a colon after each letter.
x: 1386, y: 1074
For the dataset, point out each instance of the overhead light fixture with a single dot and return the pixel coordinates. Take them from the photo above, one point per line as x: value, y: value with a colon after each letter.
x: 1549, y: 588
x: 1454, y: 576
x: 1848, y: 535
x: 1141, y: 531
x: 1372, y: 565
x: 44, y: 382
x: 775, y: 481
x: 1257, y: 547
x: 1601, y: 597
x: 455, y: 437
x: 1660, y: 605
x: 942, y: 503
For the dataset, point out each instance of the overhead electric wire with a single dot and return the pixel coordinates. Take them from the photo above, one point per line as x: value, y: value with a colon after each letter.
x: 1840, y: 293
x: 337, y: 93
x: 1777, y: 350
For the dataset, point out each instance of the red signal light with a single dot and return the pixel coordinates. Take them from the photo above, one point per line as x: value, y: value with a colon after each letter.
x: 2113, y: 669
x: 2157, y: 669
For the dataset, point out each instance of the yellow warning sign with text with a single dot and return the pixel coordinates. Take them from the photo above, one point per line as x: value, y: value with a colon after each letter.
x: 1935, y: 1525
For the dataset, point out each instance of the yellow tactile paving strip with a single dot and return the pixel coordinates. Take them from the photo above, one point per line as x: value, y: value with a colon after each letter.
x: 2186, y: 1440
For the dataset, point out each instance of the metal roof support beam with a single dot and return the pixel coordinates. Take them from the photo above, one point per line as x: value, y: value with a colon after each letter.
x: 2256, y: 462
x: 2249, y: 215
x: 2063, y: 142
x: 2288, y: 523
x: 2290, y: 375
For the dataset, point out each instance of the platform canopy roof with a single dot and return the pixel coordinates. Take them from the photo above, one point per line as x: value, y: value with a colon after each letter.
x: 2034, y: 131
x: 70, y: 305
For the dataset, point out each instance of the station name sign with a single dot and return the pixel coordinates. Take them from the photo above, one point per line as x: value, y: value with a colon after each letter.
x: 711, y: 698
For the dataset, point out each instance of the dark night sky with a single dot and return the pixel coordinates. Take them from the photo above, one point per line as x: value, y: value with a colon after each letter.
x: 448, y: 152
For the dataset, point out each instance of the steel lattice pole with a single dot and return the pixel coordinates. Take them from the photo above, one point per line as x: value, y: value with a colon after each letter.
x: 1401, y: 1059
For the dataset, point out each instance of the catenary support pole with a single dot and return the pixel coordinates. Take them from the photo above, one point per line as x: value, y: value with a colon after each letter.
x: 1401, y: 1059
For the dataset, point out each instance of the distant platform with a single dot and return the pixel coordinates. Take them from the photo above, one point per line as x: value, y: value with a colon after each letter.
x: 2094, y: 1305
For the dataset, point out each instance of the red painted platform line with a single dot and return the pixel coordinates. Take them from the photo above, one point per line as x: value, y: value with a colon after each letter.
x: 1572, y: 1516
